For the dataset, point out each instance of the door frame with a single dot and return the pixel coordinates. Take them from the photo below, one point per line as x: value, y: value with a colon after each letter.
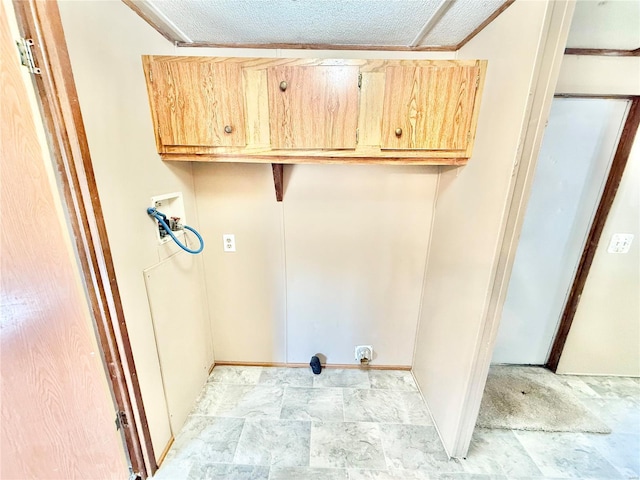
x: 616, y: 171
x: 60, y: 111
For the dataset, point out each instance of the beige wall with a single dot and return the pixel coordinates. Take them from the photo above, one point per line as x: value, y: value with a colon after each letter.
x: 598, y: 75
x: 456, y: 327
x: 340, y: 262
x: 105, y: 41
x: 605, y: 335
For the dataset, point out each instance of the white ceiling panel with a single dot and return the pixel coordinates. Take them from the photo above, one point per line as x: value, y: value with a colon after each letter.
x: 613, y: 24
x: 460, y: 20
x: 392, y: 23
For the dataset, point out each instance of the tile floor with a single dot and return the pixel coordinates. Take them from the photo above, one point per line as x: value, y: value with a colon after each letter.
x: 254, y: 423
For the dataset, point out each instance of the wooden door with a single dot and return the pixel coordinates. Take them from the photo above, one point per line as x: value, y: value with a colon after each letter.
x: 428, y: 107
x: 315, y: 107
x: 197, y: 102
x: 57, y: 415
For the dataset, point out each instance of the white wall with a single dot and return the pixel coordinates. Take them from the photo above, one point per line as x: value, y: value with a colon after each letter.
x: 605, y: 334
x: 105, y: 41
x: 470, y: 217
x: 579, y: 143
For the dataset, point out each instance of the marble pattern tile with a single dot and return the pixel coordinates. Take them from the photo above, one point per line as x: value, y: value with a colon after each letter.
x: 235, y: 375
x: 308, y: 473
x: 622, y: 450
x: 173, y: 470
x: 416, y: 447
x: 209, y: 399
x: 578, y: 386
x: 572, y: 455
x: 274, y: 442
x: 418, y: 413
x: 498, y: 452
x: 320, y: 404
x: 614, y: 387
x: 250, y: 401
x: 622, y: 415
x: 361, y: 474
x: 210, y: 438
x: 299, y: 377
x: 338, y: 377
x: 216, y: 442
x: 346, y: 445
x: 385, y: 406
x: 222, y: 471
x: 392, y: 380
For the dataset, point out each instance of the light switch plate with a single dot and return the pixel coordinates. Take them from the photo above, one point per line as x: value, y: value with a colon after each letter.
x: 620, y: 243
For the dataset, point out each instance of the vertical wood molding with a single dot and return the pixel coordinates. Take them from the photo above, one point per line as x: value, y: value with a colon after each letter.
x: 40, y: 20
x: 595, y: 232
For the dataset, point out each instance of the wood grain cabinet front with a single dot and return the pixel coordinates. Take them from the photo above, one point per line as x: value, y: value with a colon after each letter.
x: 293, y: 110
x: 313, y: 106
x: 196, y: 102
x: 429, y: 108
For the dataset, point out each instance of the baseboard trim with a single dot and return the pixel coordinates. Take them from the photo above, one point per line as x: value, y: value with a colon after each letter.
x: 306, y: 365
x: 166, y: 450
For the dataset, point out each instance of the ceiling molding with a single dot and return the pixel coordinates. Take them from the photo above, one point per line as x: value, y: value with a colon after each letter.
x: 481, y: 27
x: 159, y: 22
x: 431, y: 22
x: 319, y: 46
x: 607, y: 52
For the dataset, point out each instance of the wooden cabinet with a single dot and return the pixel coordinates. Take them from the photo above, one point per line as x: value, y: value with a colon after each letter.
x: 196, y: 102
x: 313, y: 106
x: 429, y: 108
x: 282, y: 110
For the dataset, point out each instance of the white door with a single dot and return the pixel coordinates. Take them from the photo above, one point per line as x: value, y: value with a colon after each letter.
x: 576, y: 153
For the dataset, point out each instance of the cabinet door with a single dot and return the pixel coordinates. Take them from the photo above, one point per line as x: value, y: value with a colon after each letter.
x: 198, y: 102
x: 313, y: 106
x: 428, y: 107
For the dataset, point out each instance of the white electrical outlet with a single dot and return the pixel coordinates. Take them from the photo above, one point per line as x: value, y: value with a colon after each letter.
x: 364, y: 353
x: 620, y: 243
x: 229, y: 242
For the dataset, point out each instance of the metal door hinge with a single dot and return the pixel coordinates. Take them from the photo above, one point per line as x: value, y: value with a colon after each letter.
x: 477, y: 81
x: 150, y: 75
x: 121, y: 420
x: 26, y: 55
x: 359, y: 80
x: 357, y: 135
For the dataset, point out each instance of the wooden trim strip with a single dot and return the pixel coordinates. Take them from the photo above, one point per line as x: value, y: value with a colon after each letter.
x: 58, y: 97
x: 319, y: 46
x: 600, y: 96
x: 197, y: 157
x: 164, y: 453
x: 481, y: 27
x: 306, y: 365
x: 608, y: 52
x: 155, y: 25
x: 604, y: 207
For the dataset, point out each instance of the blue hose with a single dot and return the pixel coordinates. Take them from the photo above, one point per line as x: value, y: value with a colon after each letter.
x: 162, y: 220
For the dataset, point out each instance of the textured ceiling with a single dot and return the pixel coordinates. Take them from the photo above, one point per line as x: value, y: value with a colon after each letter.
x: 392, y: 23
x: 606, y: 24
